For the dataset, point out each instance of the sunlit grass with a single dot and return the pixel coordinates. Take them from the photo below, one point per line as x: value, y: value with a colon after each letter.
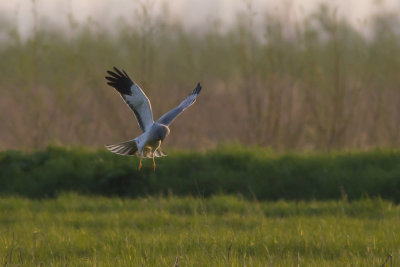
x: 221, y: 231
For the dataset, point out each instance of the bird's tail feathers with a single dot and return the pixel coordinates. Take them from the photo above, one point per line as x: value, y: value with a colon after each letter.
x: 128, y: 148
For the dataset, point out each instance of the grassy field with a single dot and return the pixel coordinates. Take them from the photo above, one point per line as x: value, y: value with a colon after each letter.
x: 74, y: 230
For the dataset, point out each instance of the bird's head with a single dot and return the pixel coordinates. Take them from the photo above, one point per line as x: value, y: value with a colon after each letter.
x: 163, y: 132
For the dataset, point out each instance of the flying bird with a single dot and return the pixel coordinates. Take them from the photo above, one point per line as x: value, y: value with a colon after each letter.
x: 148, y: 144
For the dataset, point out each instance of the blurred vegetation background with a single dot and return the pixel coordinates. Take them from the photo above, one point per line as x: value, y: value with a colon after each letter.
x: 322, y: 85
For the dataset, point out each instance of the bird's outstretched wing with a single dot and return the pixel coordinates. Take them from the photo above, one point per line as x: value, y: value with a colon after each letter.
x: 169, y: 117
x: 133, y: 96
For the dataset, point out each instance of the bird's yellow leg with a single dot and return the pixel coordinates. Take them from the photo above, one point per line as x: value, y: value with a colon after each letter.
x: 140, y: 164
x: 154, y: 163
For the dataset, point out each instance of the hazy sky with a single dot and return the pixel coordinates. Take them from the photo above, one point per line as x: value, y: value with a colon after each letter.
x: 194, y: 13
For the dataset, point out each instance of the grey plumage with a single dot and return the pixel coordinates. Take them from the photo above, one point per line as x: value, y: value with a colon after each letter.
x: 133, y: 96
x: 170, y: 116
x: 147, y: 144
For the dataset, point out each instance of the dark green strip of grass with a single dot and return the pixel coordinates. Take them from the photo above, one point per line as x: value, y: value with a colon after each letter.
x: 249, y: 172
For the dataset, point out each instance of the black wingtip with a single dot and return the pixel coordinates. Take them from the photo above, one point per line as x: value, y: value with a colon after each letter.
x: 197, y: 89
x: 119, y: 80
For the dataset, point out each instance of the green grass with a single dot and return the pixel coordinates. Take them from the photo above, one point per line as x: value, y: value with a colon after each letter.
x: 74, y: 230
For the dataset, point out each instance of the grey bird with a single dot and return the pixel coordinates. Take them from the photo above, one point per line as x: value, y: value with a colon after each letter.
x: 147, y: 144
